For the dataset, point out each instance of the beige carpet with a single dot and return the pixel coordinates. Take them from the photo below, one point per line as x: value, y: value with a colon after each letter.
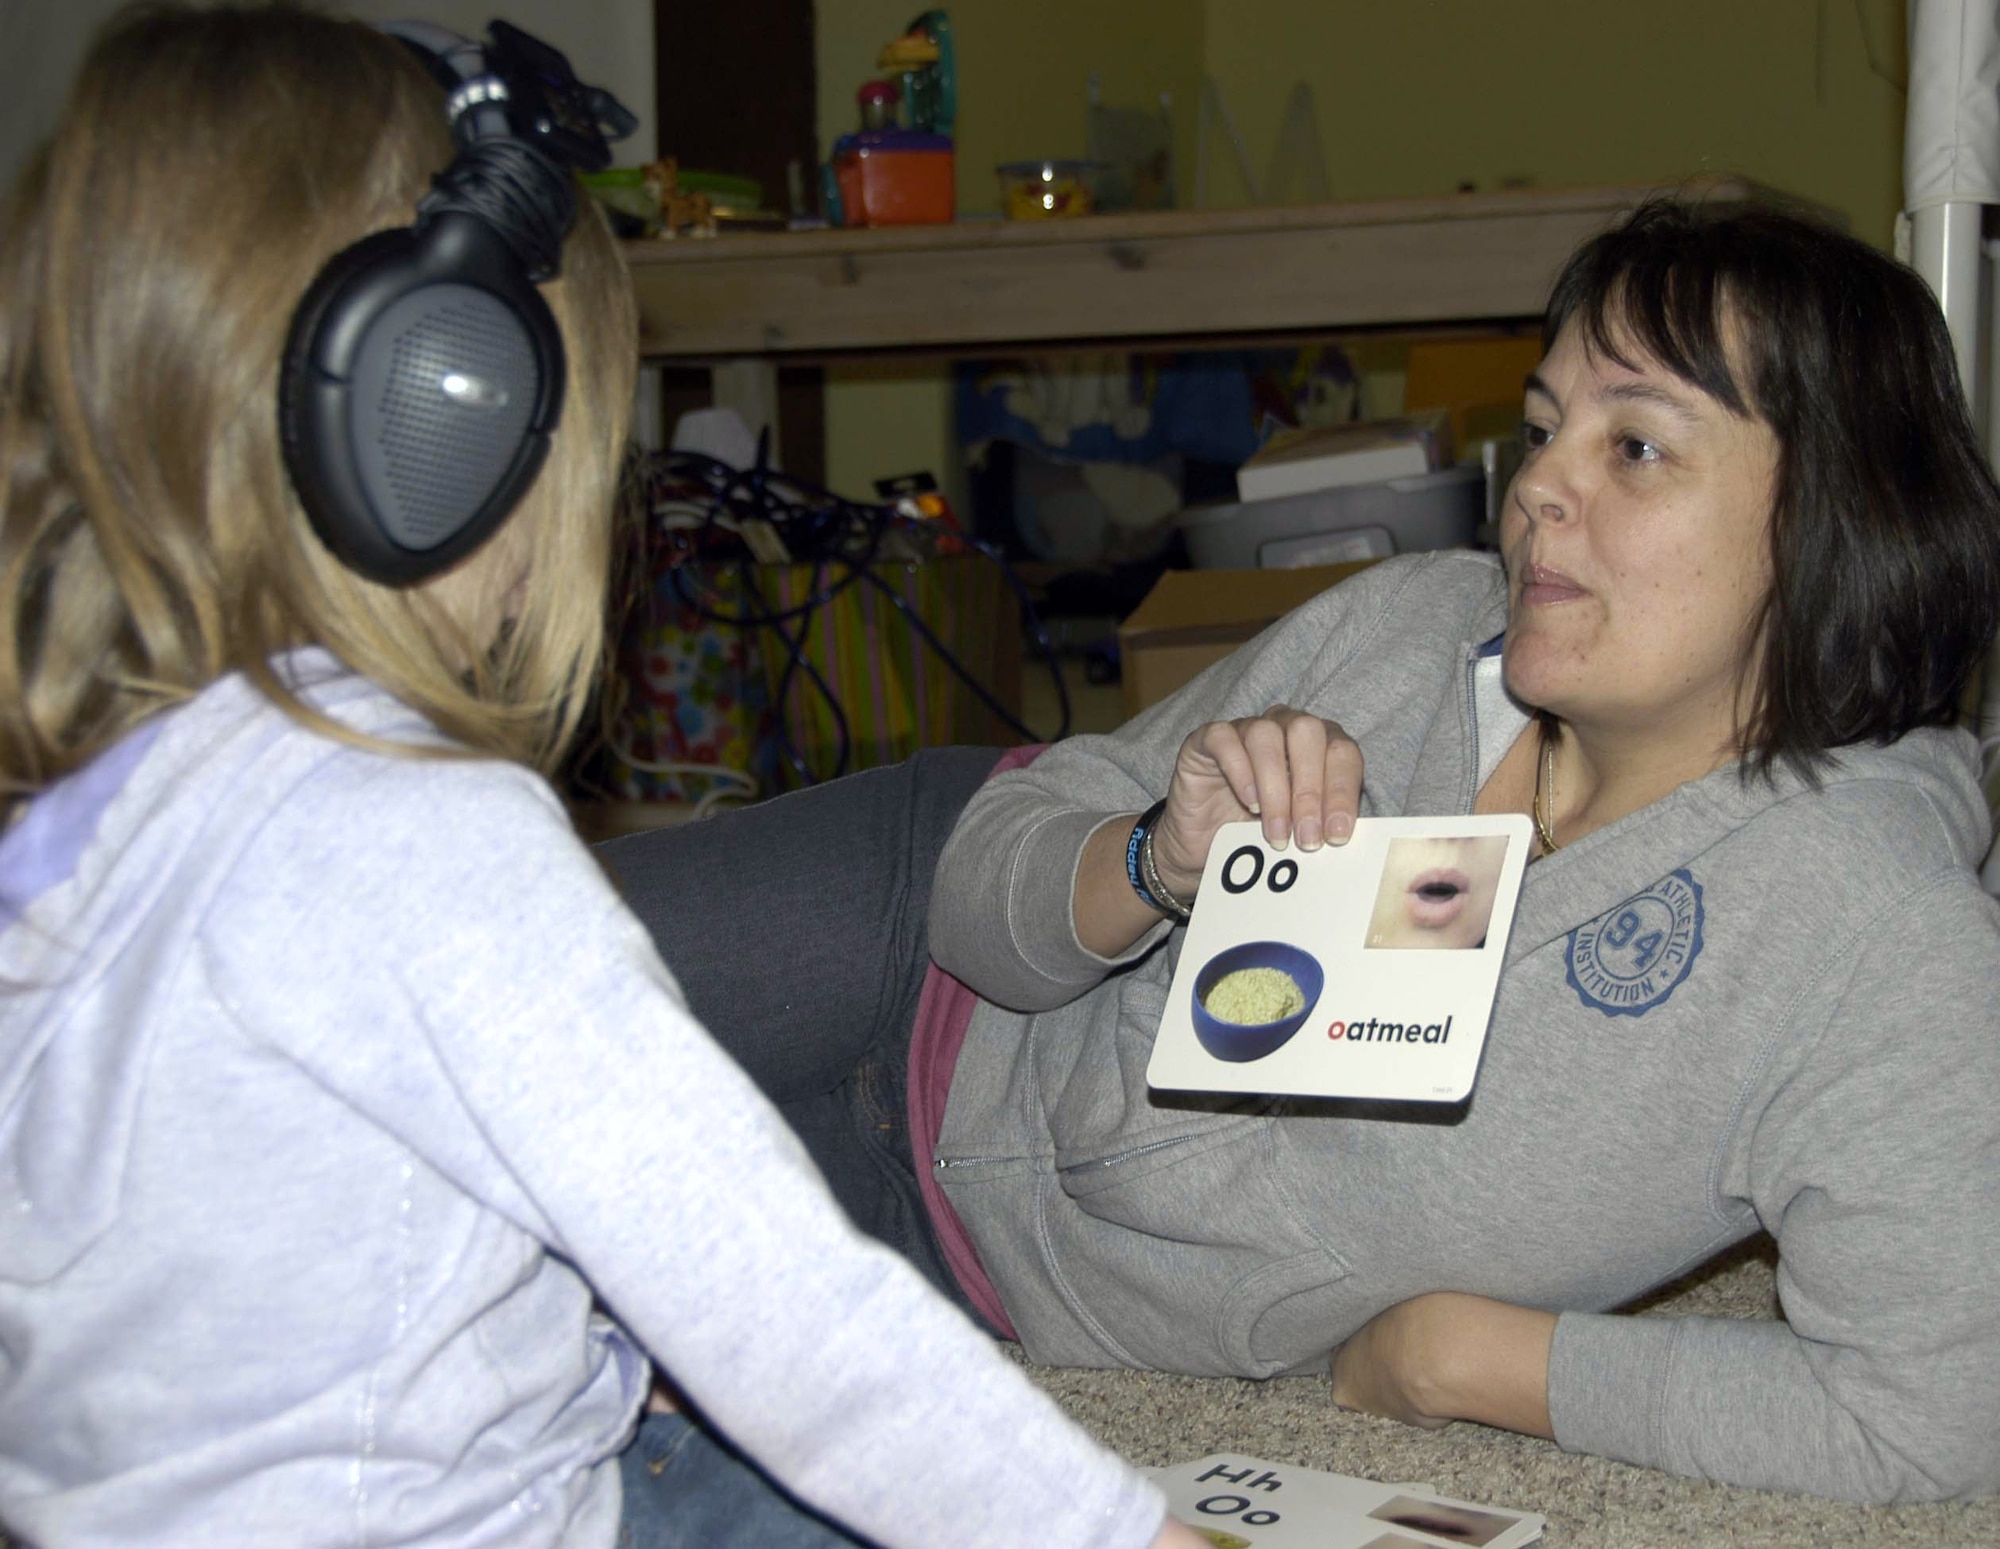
x: 1589, y: 1503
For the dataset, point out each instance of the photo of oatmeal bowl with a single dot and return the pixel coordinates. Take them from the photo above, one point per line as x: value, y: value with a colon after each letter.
x: 1249, y: 999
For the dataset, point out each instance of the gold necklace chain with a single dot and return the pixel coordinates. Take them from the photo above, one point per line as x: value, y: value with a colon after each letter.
x: 1545, y: 780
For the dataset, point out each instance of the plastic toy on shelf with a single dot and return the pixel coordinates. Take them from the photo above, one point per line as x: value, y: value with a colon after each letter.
x: 680, y: 210
x: 923, y: 58
x: 899, y: 169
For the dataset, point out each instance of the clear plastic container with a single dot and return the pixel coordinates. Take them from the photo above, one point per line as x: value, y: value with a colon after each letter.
x: 1048, y: 190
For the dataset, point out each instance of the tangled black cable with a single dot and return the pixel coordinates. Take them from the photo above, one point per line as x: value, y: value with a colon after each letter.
x: 819, y: 528
x: 526, y: 196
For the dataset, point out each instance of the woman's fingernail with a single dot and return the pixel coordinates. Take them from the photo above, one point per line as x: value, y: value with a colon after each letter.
x: 1309, y: 836
x: 1339, y: 828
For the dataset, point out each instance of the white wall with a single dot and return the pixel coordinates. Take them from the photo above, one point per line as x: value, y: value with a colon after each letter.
x: 44, y: 41
x: 609, y: 42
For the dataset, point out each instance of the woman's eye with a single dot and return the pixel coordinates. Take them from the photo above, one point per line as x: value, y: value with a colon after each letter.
x: 1635, y: 449
x: 1535, y: 437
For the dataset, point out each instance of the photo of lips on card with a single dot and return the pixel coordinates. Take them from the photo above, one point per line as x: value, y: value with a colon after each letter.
x: 1360, y: 970
x: 1437, y: 893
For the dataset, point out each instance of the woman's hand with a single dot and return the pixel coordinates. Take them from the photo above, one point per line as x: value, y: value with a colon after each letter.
x: 1449, y: 1356
x: 1301, y: 775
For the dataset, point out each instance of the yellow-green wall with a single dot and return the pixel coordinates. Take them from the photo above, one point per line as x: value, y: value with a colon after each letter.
x: 1418, y: 96
x: 1023, y: 75
x: 1411, y: 96
x: 887, y: 418
x: 1024, y: 68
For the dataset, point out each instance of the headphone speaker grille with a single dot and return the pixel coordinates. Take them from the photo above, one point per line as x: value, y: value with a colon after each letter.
x: 445, y: 387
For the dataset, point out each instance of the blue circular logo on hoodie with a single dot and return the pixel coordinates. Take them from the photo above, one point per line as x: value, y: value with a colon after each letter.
x: 1630, y: 959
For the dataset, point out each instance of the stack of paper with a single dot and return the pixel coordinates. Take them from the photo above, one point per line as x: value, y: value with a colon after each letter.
x: 1297, y: 462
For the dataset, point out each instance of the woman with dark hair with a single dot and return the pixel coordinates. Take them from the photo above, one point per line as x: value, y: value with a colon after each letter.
x: 1748, y: 567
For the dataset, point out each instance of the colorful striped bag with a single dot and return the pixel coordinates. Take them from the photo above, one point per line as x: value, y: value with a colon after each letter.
x: 710, y: 680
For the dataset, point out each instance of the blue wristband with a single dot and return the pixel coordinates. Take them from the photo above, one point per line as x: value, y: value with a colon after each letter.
x: 1134, y: 873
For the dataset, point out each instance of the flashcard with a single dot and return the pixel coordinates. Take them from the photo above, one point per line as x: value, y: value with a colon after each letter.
x: 1245, y: 1503
x: 1366, y: 969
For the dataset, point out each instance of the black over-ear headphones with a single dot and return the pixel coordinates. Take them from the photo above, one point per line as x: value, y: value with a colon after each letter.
x: 424, y: 373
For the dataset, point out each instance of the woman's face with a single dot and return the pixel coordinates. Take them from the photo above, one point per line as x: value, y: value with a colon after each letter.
x: 1437, y: 892
x: 1636, y: 539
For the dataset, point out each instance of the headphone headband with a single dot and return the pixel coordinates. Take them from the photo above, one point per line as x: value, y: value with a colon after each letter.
x: 515, y: 86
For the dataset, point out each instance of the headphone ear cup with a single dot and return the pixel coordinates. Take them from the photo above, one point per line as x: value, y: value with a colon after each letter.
x: 421, y: 380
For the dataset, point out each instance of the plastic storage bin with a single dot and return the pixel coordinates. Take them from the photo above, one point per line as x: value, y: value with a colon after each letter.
x: 895, y: 177
x: 1440, y: 510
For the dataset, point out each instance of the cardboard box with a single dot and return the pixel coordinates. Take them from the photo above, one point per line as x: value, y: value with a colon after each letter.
x: 1478, y: 380
x: 1195, y: 617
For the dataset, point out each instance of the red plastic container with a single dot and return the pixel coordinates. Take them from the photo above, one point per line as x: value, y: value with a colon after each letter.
x: 894, y: 177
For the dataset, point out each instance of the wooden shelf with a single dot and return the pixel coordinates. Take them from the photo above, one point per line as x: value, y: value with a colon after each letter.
x: 1162, y: 277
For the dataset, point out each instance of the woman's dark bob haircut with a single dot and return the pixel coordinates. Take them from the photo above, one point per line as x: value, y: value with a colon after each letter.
x: 1885, y: 531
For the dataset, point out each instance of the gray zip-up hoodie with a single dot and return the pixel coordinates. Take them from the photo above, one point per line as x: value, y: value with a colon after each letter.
x: 1748, y: 1004
x: 326, y: 1078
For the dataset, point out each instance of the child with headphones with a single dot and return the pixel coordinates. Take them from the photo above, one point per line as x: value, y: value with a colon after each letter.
x: 358, y: 1155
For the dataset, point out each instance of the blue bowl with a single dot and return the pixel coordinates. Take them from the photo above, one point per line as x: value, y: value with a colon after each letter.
x: 1236, y: 1041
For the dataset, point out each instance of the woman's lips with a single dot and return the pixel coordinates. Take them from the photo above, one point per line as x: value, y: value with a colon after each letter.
x: 1541, y: 585
x: 1437, y: 897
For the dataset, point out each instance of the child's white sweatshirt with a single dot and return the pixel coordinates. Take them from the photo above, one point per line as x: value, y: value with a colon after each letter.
x: 331, y: 1083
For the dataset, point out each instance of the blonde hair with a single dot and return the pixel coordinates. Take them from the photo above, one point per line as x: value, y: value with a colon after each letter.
x: 206, y: 166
